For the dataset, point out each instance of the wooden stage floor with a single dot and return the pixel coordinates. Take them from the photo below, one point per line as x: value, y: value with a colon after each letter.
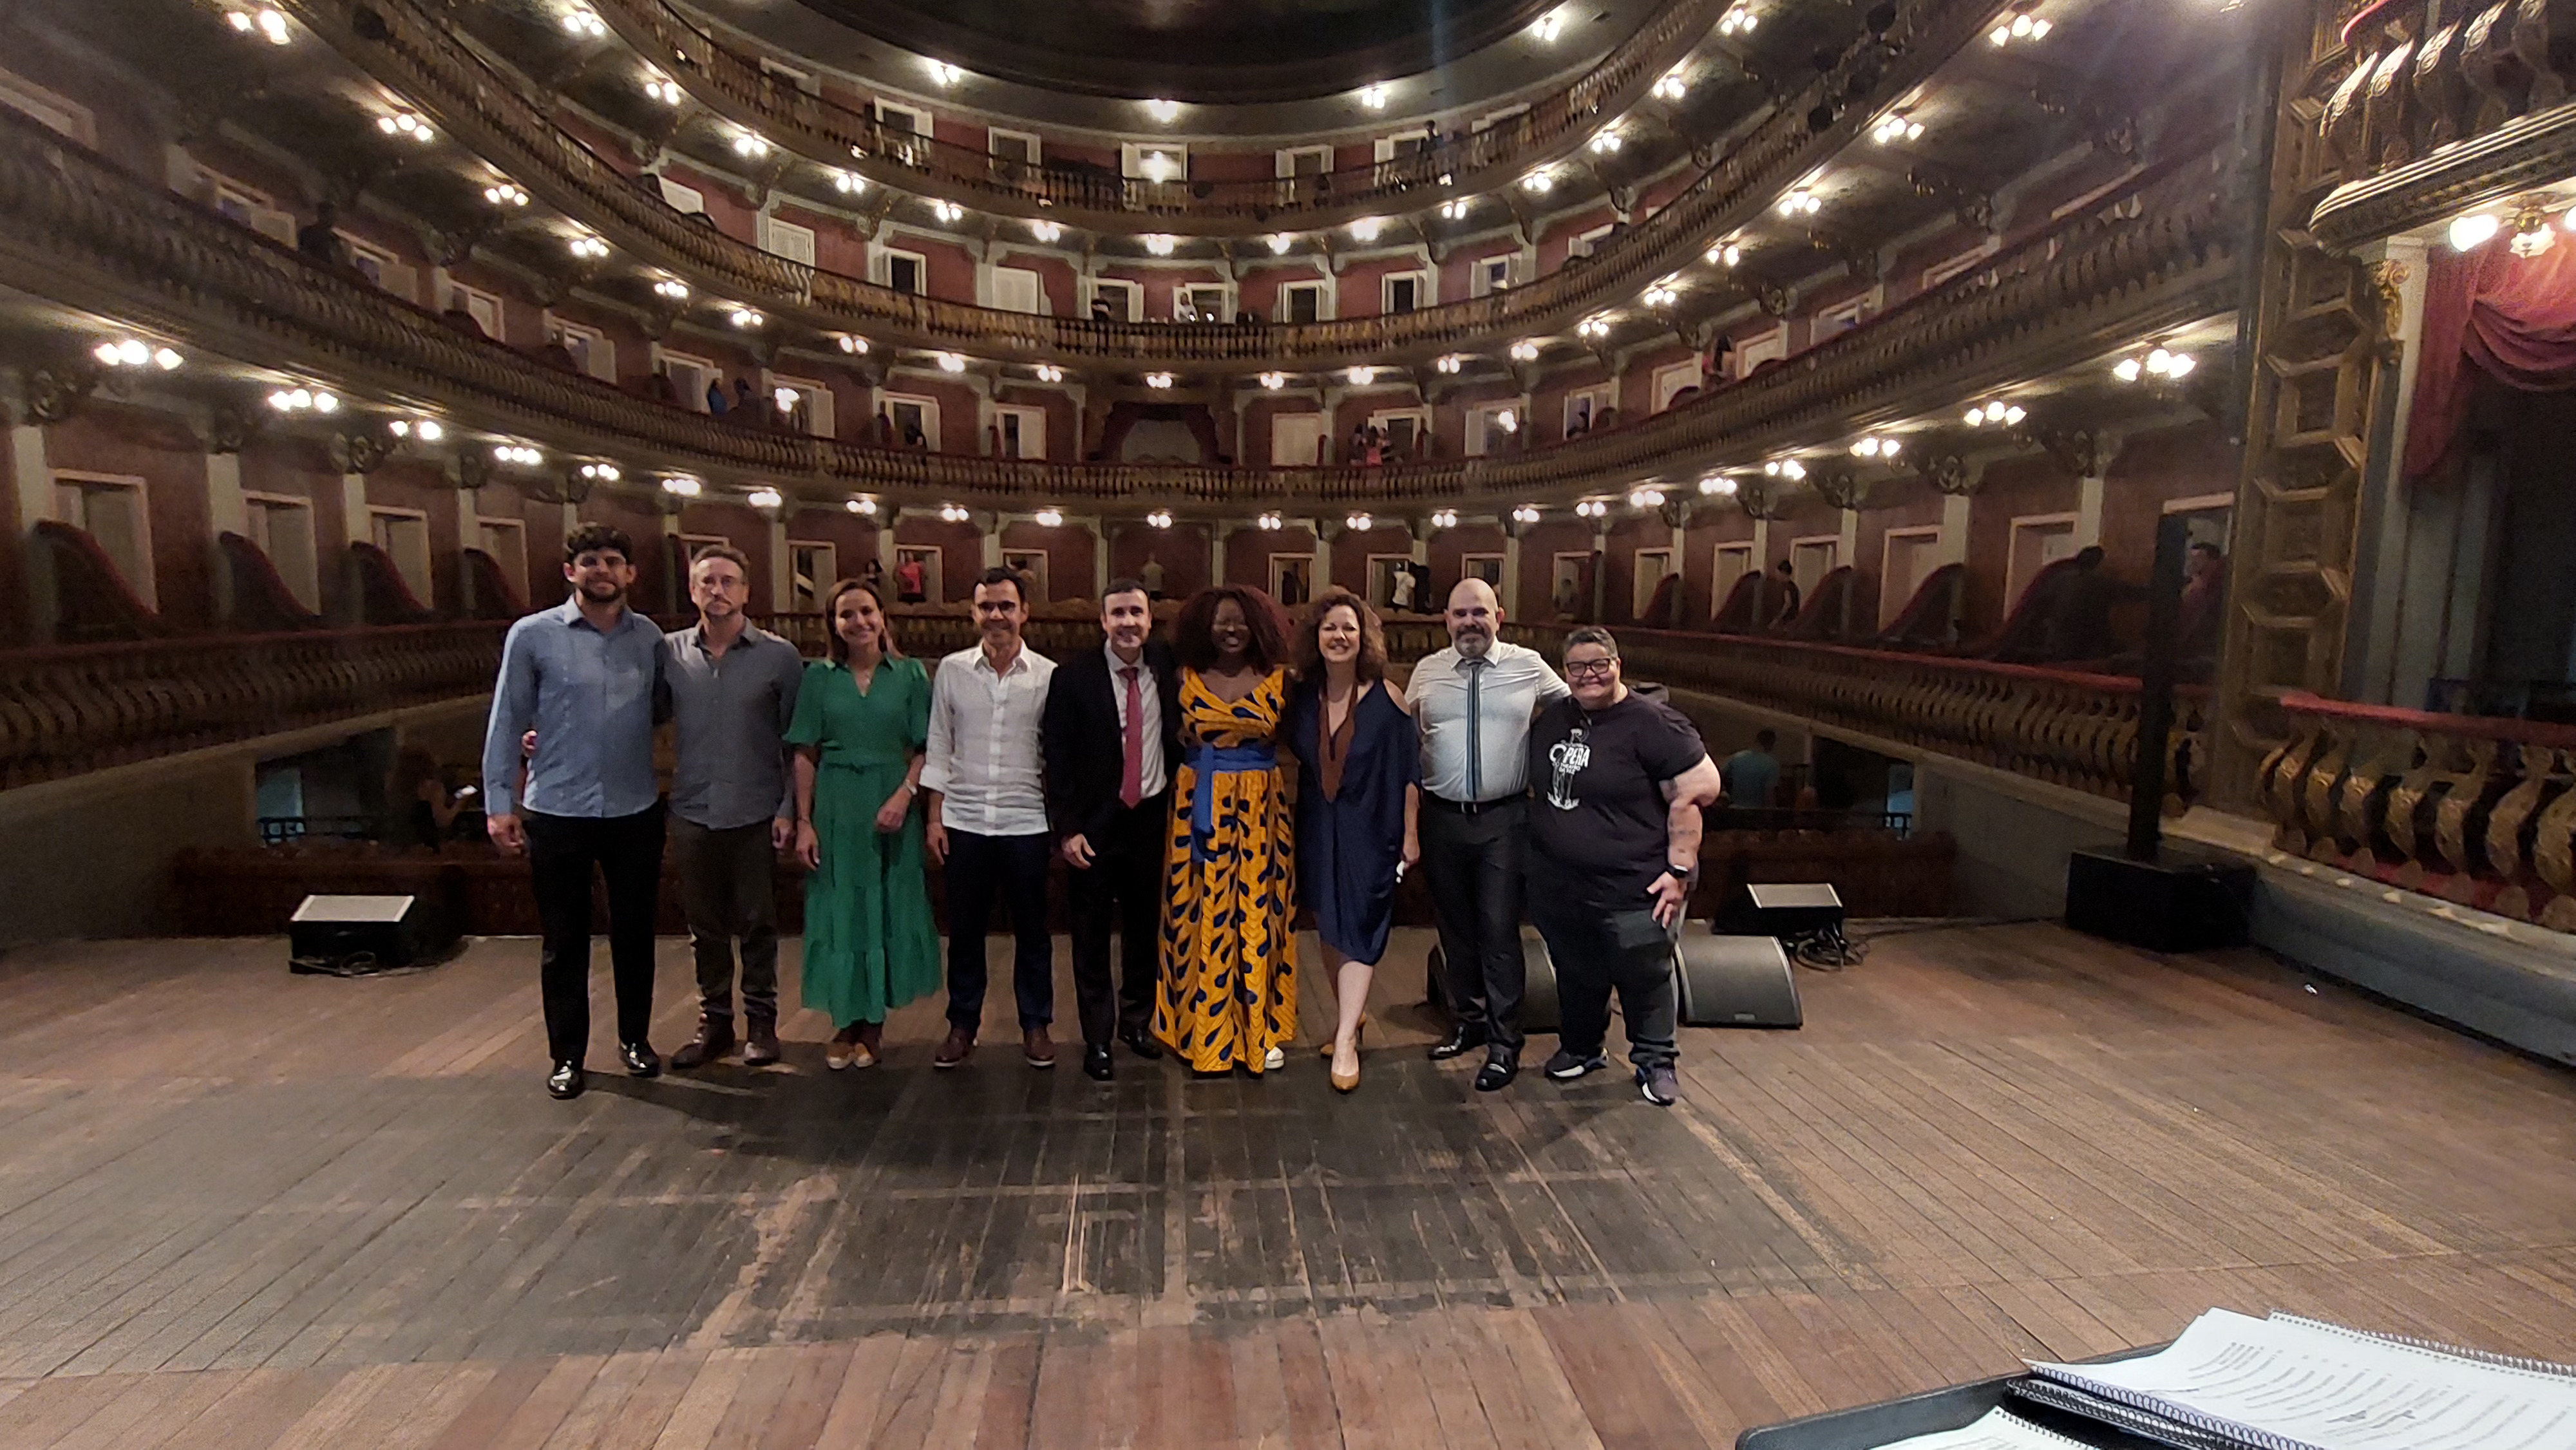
x: 239, y: 1208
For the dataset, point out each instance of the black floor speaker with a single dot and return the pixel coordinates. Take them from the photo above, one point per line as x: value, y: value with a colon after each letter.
x: 1737, y: 981
x: 1538, y: 983
x: 353, y: 934
x: 2179, y: 902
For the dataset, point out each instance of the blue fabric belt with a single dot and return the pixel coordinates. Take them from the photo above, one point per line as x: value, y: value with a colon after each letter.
x: 1209, y: 761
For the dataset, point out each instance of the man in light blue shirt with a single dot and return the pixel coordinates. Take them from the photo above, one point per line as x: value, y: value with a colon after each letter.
x: 581, y: 675
x: 1753, y: 776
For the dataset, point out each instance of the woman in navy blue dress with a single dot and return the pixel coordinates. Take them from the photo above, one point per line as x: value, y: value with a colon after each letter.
x: 1358, y: 800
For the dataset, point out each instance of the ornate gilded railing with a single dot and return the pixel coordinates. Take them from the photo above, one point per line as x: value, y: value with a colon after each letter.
x: 2441, y: 105
x: 414, y: 53
x: 2473, y: 810
x: 80, y: 708
x: 2070, y: 729
x: 84, y: 232
x: 733, y: 85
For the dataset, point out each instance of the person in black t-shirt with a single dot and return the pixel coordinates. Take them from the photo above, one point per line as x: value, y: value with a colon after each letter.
x: 1617, y: 782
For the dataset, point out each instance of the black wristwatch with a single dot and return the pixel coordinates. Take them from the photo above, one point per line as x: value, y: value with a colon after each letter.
x: 1680, y: 873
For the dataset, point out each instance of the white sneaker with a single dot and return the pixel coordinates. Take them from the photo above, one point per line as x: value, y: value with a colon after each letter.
x: 1274, y: 1060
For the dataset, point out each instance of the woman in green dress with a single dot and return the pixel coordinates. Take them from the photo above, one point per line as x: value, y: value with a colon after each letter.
x: 861, y: 721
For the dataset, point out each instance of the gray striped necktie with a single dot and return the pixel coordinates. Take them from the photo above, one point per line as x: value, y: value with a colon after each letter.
x: 1476, y: 730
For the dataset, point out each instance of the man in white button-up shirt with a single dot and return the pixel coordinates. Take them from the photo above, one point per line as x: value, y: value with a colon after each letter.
x: 1473, y: 702
x: 988, y: 823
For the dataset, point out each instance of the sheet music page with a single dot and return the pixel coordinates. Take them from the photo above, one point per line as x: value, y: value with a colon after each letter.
x: 2313, y: 1387
x: 1999, y: 1430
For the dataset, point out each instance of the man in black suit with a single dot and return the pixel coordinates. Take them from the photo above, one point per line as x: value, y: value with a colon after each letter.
x: 1111, y: 734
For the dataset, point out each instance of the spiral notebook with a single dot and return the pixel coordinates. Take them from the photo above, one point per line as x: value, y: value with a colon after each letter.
x: 1999, y: 1430
x: 2233, y: 1382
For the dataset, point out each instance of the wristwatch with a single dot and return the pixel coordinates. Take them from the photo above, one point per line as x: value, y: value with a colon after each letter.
x: 1680, y: 873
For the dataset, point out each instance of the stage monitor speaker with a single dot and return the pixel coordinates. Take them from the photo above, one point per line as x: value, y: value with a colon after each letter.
x: 2179, y: 902
x: 1736, y: 981
x: 357, y: 933
x: 1538, y: 983
x: 1790, y: 909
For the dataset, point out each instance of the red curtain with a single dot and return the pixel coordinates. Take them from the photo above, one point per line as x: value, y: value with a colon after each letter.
x: 2513, y: 317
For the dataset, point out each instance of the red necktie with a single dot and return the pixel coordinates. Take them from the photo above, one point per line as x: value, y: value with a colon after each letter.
x: 1131, y: 754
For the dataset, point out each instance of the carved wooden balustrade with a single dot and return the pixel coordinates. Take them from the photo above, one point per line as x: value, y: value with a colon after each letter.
x: 2441, y: 105
x: 407, y: 48
x: 2473, y: 810
x: 80, y: 708
x: 2069, y: 729
x: 734, y: 85
x: 86, y: 233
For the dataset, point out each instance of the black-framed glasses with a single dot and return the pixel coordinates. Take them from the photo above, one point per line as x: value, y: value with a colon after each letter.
x: 1590, y: 669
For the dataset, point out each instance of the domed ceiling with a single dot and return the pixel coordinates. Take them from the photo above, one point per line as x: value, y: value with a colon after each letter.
x: 1189, y: 50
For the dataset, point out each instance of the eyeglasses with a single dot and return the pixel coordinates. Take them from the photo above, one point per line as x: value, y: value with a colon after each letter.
x: 1590, y: 669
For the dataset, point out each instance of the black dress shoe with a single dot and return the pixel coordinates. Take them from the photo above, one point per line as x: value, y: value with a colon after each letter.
x: 1141, y: 1043
x: 1096, y: 1064
x: 1461, y: 1039
x: 714, y: 1040
x: 565, y: 1081
x: 640, y: 1059
x: 1498, y: 1072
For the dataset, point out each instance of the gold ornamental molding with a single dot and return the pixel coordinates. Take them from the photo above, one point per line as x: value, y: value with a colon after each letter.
x: 87, y: 234
x: 2535, y: 151
x: 411, y: 51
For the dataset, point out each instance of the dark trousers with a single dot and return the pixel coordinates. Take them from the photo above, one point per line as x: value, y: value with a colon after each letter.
x: 1475, y: 864
x: 1015, y: 869
x: 1583, y: 942
x: 726, y: 888
x: 1123, y: 890
x: 627, y: 850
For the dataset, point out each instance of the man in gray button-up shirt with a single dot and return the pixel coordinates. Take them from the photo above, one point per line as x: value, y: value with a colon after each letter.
x: 731, y: 687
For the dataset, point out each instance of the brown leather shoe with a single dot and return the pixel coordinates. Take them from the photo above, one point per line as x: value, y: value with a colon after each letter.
x: 1039, y: 1048
x: 714, y: 1040
x: 760, y: 1044
x: 953, y: 1051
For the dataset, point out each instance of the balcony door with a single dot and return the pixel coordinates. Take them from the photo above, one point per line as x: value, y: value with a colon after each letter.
x: 1296, y: 439
x: 1734, y: 561
x: 2038, y: 540
x: 1810, y: 560
x: 1912, y: 555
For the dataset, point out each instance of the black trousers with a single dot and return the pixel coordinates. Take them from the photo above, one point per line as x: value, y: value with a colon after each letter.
x: 727, y: 888
x: 1475, y: 864
x: 1015, y: 869
x: 1123, y: 890
x: 627, y: 852
x: 1583, y: 942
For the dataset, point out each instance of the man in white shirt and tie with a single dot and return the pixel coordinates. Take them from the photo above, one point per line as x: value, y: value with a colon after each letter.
x: 988, y: 822
x: 1112, y: 734
x: 1473, y: 703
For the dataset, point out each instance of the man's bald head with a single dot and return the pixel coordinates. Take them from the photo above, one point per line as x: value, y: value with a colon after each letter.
x: 1474, y: 615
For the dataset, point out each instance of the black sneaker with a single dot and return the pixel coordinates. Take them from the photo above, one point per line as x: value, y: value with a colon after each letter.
x: 1566, y: 1067
x: 1659, y: 1085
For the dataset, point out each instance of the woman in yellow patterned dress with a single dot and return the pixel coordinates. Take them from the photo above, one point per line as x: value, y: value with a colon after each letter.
x: 1229, y: 991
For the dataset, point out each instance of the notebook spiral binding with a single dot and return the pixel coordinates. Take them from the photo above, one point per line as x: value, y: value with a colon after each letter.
x: 2145, y: 1417
x: 2500, y: 1361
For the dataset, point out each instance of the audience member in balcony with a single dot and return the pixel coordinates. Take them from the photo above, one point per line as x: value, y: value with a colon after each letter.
x: 582, y: 677
x: 555, y: 354
x: 2204, y: 584
x: 320, y: 238
x: 1753, y: 774
x: 1568, y: 599
x: 458, y: 318
x: 717, y: 403
x: 1614, y: 847
x: 731, y: 689
x: 911, y: 580
x: 862, y: 724
x: 1100, y: 310
x: 1400, y: 585
x: 1473, y: 702
x: 658, y: 387
x: 746, y: 408
x: 1581, y: 423
x: 1784, y: 587
x: 881, y: 430
x: 913, y: 437
x: 988, y: 820
x: 872, y: 574
x: 430, y: 808
x: 1153, y: 577
x: 1111, y: 737
x: 1229, y: 990
x: 1359, y: 802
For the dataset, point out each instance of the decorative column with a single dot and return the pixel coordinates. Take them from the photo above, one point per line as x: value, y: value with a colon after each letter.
x: 227, y: 511
x: 1512, y: 529
x: 1219, y: 531
x: 355, y: 454
x: 990, y: 526
x: 782, y: 563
